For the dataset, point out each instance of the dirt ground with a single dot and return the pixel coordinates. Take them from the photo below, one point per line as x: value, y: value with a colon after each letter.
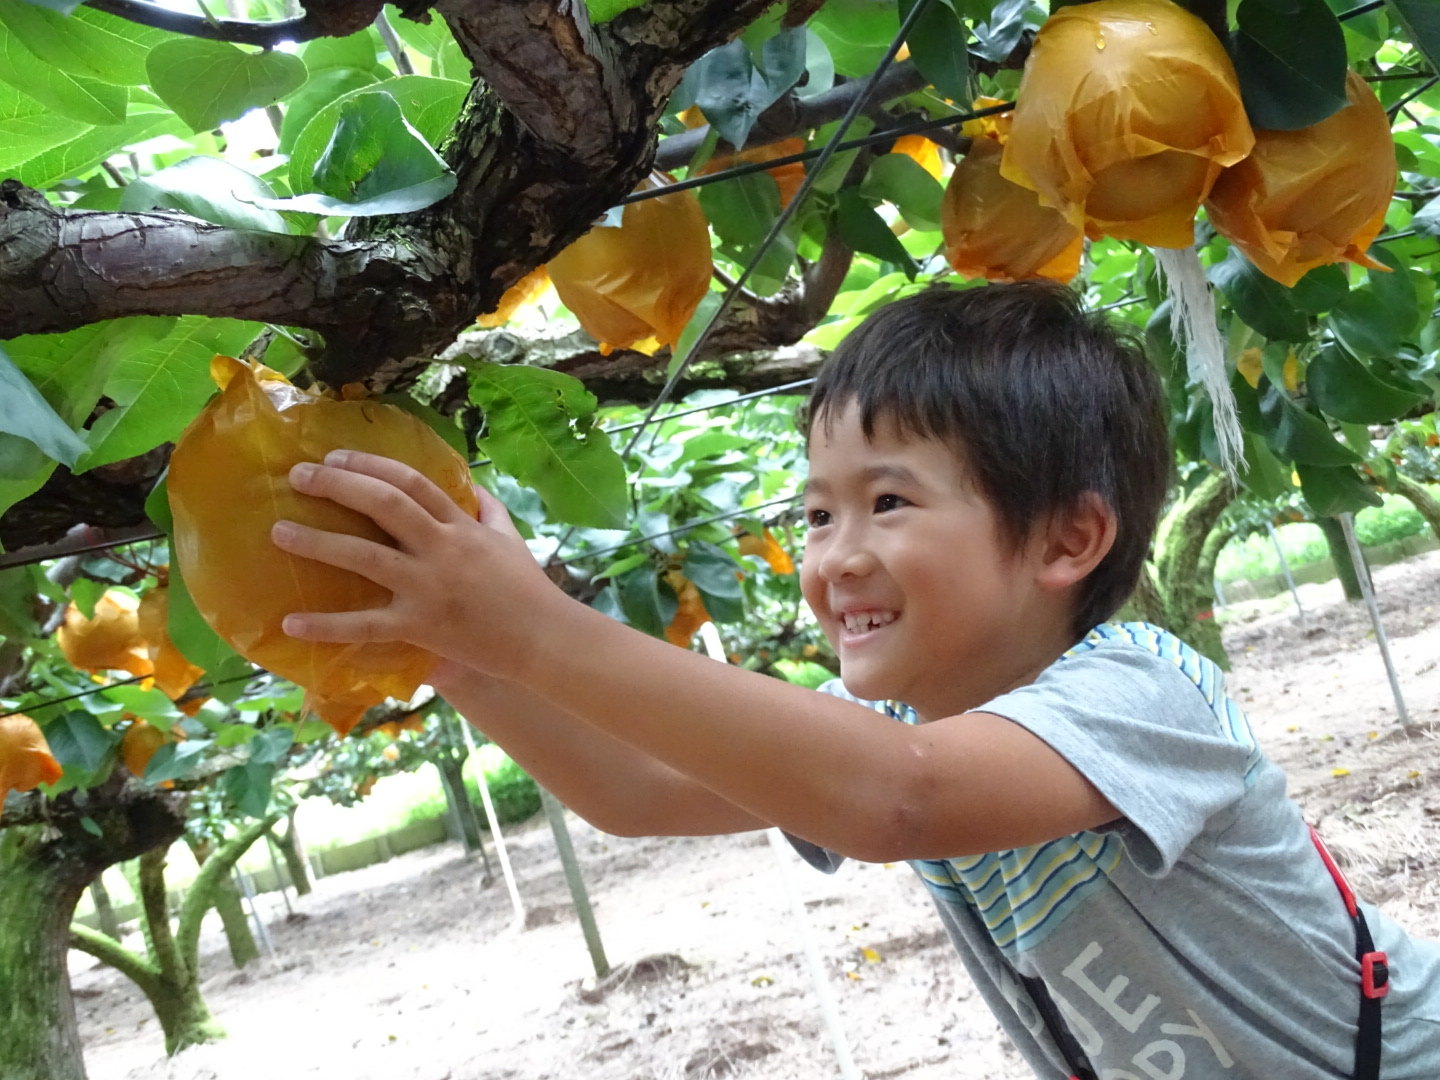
x: 412, y: 970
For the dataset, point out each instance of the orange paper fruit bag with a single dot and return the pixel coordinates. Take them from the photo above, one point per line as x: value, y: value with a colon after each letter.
x: 642, y: 279
x: 25, y: 759
x: 1126, y: 113
x: 1314, y: 196
x: 111, y: 641
x: 229, y: 484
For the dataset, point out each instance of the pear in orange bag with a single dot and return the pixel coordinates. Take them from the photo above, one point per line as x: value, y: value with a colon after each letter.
x: 111, y: 641
x: 173, y: 673
x: 525, y: 291
x: 999, y: 231
x: 229, y: 484
x: 25, y: 758
x: 788, y: 178
x: 641, y: 279
x: 1306, y: 198
x: 690, y: 613
x: 1126, y: 113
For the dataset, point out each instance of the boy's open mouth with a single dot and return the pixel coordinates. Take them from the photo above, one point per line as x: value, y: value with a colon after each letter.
x: 860, y: 622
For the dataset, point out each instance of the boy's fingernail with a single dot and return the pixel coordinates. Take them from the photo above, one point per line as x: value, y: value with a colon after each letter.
x: 282, y: 531
x: 338, y: 458
x: 293, y: 625
x: 302, y: 472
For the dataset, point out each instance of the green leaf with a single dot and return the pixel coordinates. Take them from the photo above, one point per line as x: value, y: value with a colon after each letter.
x: 999, y: 32
x: 1265, y: 476
x: 157, y: 505
x: 374, y: 151
x: 900, y: 179
x: 400, y: 201
x: 732, y: 91
x: 85, y: 592
x: 542, y: 432
x: 28, y: 128
x: 647, y: 603
x: 1331, y: 491
x: 174, y: 760
x: 86, y: 151
x: 210, y: 82
x: 1261, y: 302
x: 1421, y: 22
x: 605, y: 10
x: 430, y: 106
x: 1297, y: 435
x: 17, y: 603
x: 321, y: 89
x: 714, y: 572
x: 1320, y: 289
x: 857, y: 32
x: 77, y: 738
x: 189, y: 631
x: 209, y: 188
x: 741, y: 209
x: 73, y: 45
x: 71, y: 96
x: 25, y: 413
x: 938, y: 46
x: 271, y: 745
x: 1344, y: 388
x: 358, y: 52
x: 1290, y: 57
x: 64, y: 7
x: 865, y: 230
x: 159, y: 389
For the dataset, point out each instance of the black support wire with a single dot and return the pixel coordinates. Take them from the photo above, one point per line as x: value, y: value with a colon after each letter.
x: 37, y: 706
x: 918, y: 127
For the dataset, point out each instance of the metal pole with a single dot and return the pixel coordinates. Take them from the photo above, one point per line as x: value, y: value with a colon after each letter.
x: 494, y: 823
x: 1367, y: 590
x: 249, y: 895
x: 829, y: 1010
x: 1285, y: 569
x: 556, y: 814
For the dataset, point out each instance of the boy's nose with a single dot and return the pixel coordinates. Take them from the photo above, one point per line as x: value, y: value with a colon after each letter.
x: 846, y: 557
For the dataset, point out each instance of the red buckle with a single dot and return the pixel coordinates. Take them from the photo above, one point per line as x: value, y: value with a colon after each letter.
x: 1374, y: 975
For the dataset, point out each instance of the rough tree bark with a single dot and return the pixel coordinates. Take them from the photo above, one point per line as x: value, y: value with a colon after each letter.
x: 561, y: 123
x: 1340, y: 557
x: 1179, y: 547
x: 1425, y: 503
x: 293, y: 850
x: 47, y: 859
x: 170, y: 974
x: 231, y: 910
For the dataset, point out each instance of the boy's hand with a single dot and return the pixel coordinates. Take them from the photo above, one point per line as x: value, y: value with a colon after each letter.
x: 459, y: 586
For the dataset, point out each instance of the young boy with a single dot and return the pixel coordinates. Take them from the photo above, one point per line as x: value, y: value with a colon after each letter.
x: 1113, y: 857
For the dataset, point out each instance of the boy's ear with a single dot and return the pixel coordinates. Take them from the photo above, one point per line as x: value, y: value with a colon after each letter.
x: 1075, y: 541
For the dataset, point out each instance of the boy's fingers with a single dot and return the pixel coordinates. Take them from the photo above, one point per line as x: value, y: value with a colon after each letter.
x: 387, y: 505
x: 494, y: 513
x: 414, y: 483
x: 341, y: 627
x: 383, y: 565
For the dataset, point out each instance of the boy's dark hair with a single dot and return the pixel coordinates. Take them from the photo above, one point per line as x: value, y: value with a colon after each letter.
x: 1044, y: 401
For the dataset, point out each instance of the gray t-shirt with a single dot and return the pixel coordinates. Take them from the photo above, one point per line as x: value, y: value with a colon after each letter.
x: 1200, y: 935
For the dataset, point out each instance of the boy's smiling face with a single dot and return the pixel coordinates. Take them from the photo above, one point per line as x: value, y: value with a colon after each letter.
x: 910, y: 576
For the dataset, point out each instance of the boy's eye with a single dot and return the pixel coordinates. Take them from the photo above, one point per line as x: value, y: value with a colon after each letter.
x: 888, y: 502
x: 816, y: 518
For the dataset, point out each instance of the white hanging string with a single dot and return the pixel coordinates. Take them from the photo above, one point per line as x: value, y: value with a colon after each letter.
x: 1193, y: 325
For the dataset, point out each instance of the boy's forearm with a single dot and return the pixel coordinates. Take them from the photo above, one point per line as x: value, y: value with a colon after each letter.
x: 823, y: 768
x: 607, y: 782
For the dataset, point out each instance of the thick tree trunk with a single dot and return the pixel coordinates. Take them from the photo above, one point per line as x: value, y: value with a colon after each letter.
x: 1179, y: 549
x: 47, y: 859
x: 232, y: 913
x: 462, y: 810
x: 1340, y: 557
x: 292, y: 848
x: 104, y: 910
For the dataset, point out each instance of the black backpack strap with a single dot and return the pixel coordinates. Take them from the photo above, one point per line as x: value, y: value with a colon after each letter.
x: 1374, y: 972
x: 1070, y: 1050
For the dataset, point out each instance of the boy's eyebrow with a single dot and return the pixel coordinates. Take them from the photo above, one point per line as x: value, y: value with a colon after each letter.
x: 898, y: 473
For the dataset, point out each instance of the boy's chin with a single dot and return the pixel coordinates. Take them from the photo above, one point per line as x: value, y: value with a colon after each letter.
x: 867, y: 685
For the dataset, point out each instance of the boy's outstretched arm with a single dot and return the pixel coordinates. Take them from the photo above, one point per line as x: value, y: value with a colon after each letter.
x: 827, y: 770
x: 610, y: 784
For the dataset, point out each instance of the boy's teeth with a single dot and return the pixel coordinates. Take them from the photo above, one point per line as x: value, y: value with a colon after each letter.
x: 860, y: 622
